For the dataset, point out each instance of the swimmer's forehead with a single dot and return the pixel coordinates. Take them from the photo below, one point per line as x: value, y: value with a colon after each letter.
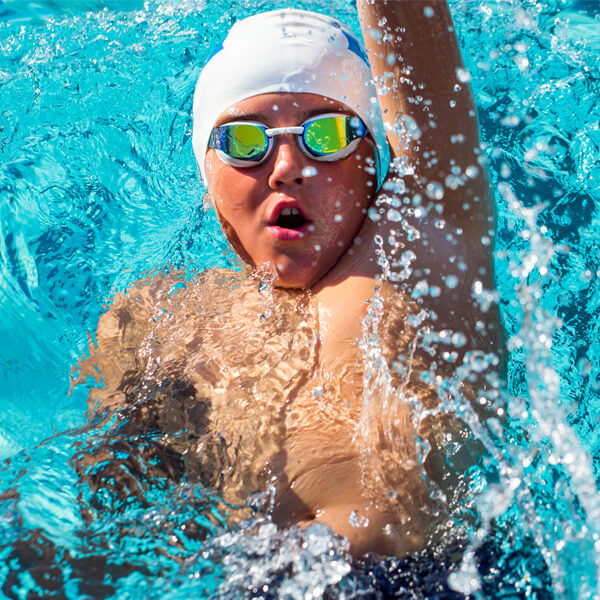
x: 298, y: 107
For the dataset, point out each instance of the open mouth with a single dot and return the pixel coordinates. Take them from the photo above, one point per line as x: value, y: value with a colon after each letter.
x: 290, y: 218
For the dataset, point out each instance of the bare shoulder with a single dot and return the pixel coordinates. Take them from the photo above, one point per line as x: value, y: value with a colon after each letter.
x: 131, y: 329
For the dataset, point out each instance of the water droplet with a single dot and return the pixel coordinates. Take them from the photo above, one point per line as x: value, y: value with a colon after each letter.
x: 357, y: 521
x: 522, y: 62
x: 428, y: 12
x: 479, y: 361
x: 459, y: 339
x: 472, y: 171
x: 338, y: 218
x: 309, y: 171
x: 463, y: 75
x: 421, y: 289
x: 451, y: 281
x: 511, y: 121
x: 394, y: 215
x: 521, y: 47
x: 434, y: 190
x: 374, y: 215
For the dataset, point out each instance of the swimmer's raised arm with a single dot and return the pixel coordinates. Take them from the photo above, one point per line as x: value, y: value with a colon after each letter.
x: 418, y: 67
x: 432, y: 126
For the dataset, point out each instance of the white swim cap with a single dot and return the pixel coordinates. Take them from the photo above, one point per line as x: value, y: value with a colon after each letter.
x: 287, y: 50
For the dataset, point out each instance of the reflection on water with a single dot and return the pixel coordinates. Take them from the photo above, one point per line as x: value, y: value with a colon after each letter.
x: 98, y: 188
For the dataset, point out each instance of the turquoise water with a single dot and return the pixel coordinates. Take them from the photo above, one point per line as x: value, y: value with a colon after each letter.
x: 98, y: 187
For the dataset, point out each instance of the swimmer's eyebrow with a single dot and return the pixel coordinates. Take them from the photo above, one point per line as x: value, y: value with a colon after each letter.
x: 238, y: 115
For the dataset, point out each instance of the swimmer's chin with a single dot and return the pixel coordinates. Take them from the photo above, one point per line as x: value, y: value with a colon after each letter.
x: 290, y: 277
x: 296, y: 277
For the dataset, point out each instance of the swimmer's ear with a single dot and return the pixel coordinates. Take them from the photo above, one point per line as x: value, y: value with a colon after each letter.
x: 207, y: 202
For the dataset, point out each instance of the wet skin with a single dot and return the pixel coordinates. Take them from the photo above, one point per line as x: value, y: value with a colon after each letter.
x: 335, y: 198
x: 337, y: 281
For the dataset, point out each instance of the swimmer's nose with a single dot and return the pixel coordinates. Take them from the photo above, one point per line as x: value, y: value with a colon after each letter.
x: 288, y: 163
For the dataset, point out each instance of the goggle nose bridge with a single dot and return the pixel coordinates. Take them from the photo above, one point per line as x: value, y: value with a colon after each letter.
x: 297, y: 130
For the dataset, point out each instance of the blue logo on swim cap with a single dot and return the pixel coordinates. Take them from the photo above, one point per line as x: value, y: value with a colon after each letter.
x: 216, y: 49
x: 353, y: 43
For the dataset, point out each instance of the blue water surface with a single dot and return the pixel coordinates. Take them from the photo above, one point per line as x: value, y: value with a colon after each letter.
x: 98, y: 187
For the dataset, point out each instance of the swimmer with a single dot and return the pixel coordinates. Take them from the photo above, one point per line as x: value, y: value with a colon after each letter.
x: 257, y: 379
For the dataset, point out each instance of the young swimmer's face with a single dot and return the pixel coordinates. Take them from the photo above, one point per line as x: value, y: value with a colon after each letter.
x: 254, y: 203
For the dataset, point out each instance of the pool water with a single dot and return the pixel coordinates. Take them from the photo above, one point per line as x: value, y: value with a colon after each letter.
x: 98, y: 187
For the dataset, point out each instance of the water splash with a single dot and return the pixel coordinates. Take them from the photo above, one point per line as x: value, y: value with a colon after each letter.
x: 89, y: 83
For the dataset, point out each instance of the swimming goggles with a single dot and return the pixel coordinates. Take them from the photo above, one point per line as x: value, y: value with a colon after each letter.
x: 327, y: 137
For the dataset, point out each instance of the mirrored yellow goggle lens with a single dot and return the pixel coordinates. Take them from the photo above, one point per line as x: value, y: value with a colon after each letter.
x: 328, y: 135
x: 245, y: 141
